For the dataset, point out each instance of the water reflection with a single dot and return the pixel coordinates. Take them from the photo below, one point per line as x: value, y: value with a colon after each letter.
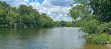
x: 44, y: 38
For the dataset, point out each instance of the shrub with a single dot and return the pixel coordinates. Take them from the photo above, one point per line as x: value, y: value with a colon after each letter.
x: 98, y: 38
x: 91, y: 26
x: 104, y: 28
x: 80, y: 23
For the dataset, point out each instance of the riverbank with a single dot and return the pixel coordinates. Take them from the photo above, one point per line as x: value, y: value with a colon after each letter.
x: 99, y: 38
x: 109, y: 46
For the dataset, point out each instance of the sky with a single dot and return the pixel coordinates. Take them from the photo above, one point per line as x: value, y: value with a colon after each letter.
x: 56, y: 9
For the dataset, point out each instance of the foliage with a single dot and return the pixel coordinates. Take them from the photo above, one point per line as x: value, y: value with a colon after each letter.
x: 80, y: 23
x: 98, y: 38
x: 98, y: 7
x: 22, y: 17
x: 102, y: 8
x: 2, y: 18
x: 80, y: 11
x: 91, y: 26
x: 97, y: 22
x: 44, y: 21
x: 11, y: 17
x: 104, y: 28
x: 63, y: 23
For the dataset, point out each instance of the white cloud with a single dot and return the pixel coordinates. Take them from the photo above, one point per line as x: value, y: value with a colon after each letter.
x: 58, y: 17
x: 14, y: 3
x: 76, y: 4
x: 24, y: 3
x: 49, y: 13
x: 60, y: 2
x: 57, y: 13
x: 69, y: 8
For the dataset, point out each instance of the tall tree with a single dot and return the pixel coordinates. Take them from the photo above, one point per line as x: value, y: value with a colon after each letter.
x: 102, y: 8
x: 80, y: 11
x: 2, y: 18
x: 12, y: 18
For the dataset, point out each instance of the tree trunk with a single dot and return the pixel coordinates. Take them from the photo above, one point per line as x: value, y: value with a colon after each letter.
x: 15, y: 25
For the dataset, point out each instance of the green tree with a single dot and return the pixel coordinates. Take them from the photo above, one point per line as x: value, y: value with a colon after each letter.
x: 24, y: 16
x: 91, y: 26
x: 102, y: 8
x: 2, y: 18
x: 12, y: 18
x: 104, y: 28
x: 45, y: 21
x: 80, y: 11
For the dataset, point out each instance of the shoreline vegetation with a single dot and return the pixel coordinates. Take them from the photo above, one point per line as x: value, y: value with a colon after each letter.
x: 89, y: 15
x: 94, y: 17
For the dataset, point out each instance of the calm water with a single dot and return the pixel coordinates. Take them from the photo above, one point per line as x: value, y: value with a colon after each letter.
x: 46, y: 38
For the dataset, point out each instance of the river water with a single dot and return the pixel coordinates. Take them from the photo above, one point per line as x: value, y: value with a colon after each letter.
x: 46, y: 38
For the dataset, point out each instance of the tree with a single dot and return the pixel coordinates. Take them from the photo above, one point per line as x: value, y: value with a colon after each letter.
x: 104, y: 28
x: 80, y: 11
x: 23, y: 9
x: 12, y: 18
x: 36, y: 18
x: 2, y: 18
x: 24, y: 16
x: 102, y: 8
x: 45, y: 21
x: 91, y: 26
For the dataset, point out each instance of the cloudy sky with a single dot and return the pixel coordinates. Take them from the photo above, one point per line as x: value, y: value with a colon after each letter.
x: 56, y: 9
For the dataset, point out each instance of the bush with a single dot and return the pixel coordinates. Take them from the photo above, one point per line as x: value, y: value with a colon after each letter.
x: 104, y: 28
x: 98, y: 38
x: 91, y: 26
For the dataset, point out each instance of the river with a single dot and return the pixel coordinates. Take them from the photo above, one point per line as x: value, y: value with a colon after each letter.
x: 46, y: 38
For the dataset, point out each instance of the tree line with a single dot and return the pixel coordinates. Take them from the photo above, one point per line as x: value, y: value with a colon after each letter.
x: 22, y: 17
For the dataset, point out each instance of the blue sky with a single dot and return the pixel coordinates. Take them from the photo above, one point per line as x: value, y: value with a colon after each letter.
x: 56, y: 9
x: 40, y: 1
